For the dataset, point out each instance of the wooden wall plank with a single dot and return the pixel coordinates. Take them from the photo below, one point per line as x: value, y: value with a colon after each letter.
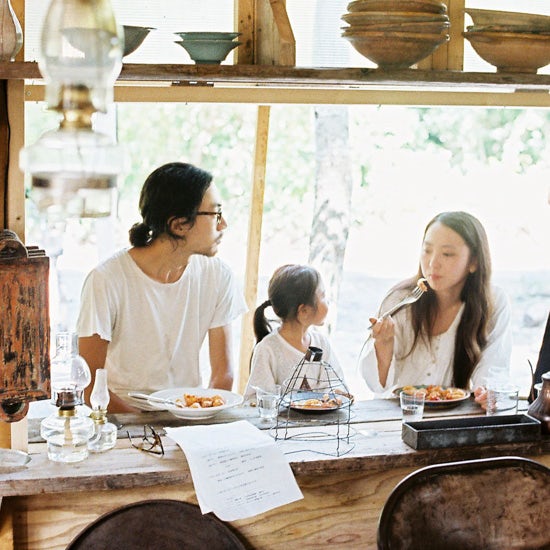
x: 274, y: 39
x: 244, y: 23
x: 15, y: 197
x: 254, y: 242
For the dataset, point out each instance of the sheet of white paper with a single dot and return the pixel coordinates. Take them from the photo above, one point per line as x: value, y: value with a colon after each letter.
x: 237, y: 470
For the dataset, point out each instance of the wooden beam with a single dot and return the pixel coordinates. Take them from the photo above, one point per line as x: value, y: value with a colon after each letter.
x: 244, y: 16
x: 449, y: 56
x: 15, y: 197
x: 274, y: 39
x: 254, y: 243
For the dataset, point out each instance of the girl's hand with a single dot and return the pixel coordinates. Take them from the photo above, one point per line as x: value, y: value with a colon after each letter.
x: 480, y: 396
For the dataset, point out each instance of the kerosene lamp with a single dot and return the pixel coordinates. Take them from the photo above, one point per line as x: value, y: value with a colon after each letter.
x: 67, y: 431
x: 74, y: 166
x: 105, y: 433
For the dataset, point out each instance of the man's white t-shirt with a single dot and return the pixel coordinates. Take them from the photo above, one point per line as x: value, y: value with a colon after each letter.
x: 156, y: 329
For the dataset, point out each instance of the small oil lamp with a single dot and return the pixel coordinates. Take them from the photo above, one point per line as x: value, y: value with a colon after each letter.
x: 105, y: 432
x: 66, y: 431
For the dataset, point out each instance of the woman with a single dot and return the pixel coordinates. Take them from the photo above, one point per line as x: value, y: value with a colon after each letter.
x: 458, y: 333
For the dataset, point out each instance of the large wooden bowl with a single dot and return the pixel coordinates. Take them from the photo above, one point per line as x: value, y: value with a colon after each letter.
x: 428, y: 27
x: 396, y: 50
x: 511, y: 52
x: 509, y: 18
x: 368, y: 17
x: 430, y: 6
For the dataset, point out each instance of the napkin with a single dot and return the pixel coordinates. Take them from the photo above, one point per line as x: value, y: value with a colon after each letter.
x: 238, y: 471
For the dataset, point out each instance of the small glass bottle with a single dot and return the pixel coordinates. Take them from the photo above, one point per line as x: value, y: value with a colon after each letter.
x: 66, y: 432
x: 105, y: 433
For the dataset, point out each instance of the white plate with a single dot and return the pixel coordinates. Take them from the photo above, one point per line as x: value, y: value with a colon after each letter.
x: 231, y: 400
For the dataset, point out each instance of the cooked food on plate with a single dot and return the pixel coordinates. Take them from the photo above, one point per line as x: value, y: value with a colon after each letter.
x: 199, y: 402
x: 326, y: 402
x: 436, y: 393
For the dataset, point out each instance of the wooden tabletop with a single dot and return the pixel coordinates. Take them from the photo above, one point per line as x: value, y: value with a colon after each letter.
x: 373, y: 443
x: 373, y: 410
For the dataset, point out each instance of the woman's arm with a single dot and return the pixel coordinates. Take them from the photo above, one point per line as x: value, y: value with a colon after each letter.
x: 495, y: 357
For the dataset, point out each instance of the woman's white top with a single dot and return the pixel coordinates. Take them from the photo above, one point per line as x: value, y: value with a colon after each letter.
x: 433, y: 363
x: 274, y: 361
x: 155, y: 330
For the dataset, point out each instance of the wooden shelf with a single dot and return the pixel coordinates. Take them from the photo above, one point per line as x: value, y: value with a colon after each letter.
x: 296, y: 77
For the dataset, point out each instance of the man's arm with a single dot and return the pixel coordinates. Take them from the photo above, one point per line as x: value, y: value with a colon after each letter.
x: 221, y: 362
x: 94, y: 350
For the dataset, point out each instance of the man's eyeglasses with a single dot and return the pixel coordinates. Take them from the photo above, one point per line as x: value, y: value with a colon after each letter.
x: 218, y: 215
x: 150, y: 442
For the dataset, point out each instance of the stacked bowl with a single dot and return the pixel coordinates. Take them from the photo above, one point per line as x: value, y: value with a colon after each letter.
x: 210, y: 48
x: 396, y: 34
x: 513, y: 42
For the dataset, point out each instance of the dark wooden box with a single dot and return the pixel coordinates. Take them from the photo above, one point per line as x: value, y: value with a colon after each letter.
x: 473, y: 430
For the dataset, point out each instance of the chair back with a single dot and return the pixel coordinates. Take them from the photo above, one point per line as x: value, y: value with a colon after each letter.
x: 162, y: 523
x: 485, y: 504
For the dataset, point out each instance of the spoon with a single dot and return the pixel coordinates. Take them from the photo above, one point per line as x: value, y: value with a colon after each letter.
x: 152, y: 399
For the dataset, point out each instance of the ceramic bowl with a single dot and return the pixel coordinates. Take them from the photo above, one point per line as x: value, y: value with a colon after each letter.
x: 367, y: 18
x: 509, y: 18
x: 430, y: 6
x: 207, y: 35
x: 429, y: 27
x: 134, y: 37
x: 396, y: 50
x: 511, y: 52
x: 210, y: 52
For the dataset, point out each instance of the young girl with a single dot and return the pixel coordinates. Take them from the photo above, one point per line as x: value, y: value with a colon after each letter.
x: 297, y: 296
x: 459, y: 331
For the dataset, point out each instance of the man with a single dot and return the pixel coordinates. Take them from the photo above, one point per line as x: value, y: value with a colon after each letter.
x: 146, y: 311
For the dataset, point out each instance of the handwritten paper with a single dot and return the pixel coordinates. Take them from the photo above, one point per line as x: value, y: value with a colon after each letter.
x: 238, y: 471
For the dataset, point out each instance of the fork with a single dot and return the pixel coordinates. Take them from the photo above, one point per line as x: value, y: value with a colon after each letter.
x: 410, y: 298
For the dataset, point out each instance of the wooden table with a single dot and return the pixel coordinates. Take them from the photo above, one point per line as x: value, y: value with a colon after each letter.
x: 46, y: 504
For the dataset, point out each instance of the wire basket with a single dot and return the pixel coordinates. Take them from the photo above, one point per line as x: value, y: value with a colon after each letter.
x: 315, y: 408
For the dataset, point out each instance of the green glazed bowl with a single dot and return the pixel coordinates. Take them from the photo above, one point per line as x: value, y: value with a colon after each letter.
x: 211, y: 52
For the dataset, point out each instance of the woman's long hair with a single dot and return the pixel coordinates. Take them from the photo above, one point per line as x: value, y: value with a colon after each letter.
x: 471, y: 336
x: 173, y: 190
x: 290, y: 286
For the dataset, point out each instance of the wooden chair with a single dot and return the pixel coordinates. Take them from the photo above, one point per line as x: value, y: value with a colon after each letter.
x: 163, y: 523
x: 487, y: 504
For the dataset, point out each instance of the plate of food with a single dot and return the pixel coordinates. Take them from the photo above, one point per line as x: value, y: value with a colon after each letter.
x: 315, y: 402
x: 437, y: 397
x: 194, y: 403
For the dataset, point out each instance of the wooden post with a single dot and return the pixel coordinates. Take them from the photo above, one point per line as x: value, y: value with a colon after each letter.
x: 274, y: 42
x: 449, y: 56
x: 254, y: 242
x: 244, y: 23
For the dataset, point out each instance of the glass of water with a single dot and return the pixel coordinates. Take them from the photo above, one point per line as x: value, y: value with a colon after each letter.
x: 502, y: 399
x: 267, y: 400
x: 412, y: 406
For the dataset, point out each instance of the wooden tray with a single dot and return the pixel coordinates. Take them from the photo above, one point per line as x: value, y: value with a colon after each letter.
x: 475, y: 430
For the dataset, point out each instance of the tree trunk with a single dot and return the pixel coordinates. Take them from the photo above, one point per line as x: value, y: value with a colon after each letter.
x: 333, y: 183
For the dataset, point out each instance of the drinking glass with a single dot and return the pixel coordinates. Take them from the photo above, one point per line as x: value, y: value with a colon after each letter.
x: 412, y: 406
x: 502, y: 399
x: 267, y: 400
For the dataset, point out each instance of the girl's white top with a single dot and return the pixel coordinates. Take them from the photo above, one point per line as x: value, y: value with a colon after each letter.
x: 274, y: 361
